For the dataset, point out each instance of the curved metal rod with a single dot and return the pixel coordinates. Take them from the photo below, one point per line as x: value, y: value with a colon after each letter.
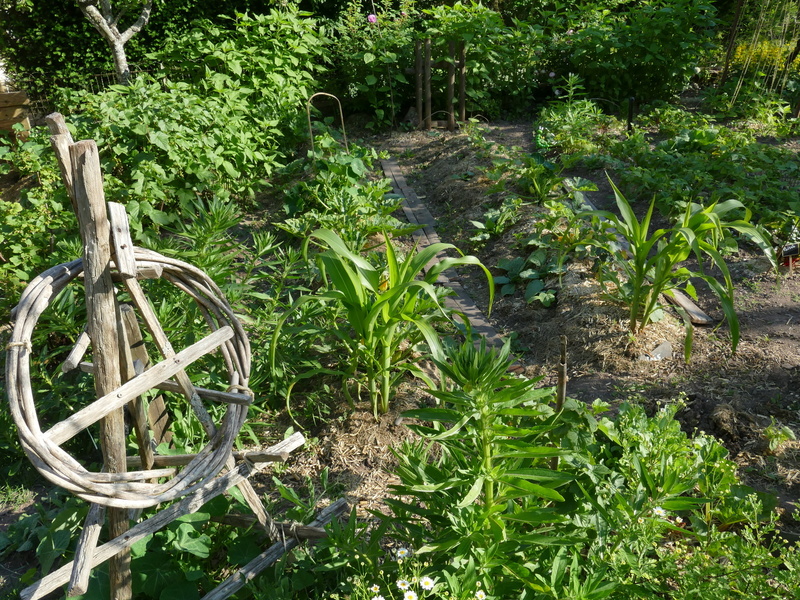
x: 341, y: 119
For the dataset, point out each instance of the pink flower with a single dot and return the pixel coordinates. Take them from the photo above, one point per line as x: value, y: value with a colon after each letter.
x: 372, y: 18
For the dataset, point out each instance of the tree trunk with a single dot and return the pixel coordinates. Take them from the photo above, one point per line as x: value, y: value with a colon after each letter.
x: 106, y: 22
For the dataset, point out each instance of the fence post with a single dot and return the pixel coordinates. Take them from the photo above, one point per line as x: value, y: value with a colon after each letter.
x: 451, y: 84
x: 427, y: 83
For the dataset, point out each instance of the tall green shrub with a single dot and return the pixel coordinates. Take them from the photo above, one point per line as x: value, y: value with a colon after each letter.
x: 49, y: 43
x: 649, y: 52
x: 370, y: 54
x: 502, y: 60
x: 222, y: 132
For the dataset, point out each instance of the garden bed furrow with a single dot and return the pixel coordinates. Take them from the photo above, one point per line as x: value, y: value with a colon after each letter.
x: 417, y: 213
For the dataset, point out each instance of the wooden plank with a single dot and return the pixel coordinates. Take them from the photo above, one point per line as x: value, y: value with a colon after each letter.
x: 77, y: 353
x: 239, y: 579
x: 427, y: 83
x: 129, y: 371
x: 90, y: 534
x: 178, y: 460
x: 418, y: 79
x: 8, y: 124
x: 61, y: 140
x: 14, y: 99
x: 206, y: 394
x: 14, y: 113
x: 117, y: 398
x: 157, y: 413
x: 451, y: 86
x: 696, y: 316
x: 462, y: 81
x: 121, y: 240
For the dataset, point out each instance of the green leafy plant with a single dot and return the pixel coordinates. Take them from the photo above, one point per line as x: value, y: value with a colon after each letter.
x: 646, y: 265
x: 662, y: 41
x: 369, y: 54
x: 389, y: 310
x: 573, y: 123
x: 530, y: 273
x: 777, y: 434
x: 340, y: 196
x: 497, y: 220
x: 476, y: 492
x: 502, y: 57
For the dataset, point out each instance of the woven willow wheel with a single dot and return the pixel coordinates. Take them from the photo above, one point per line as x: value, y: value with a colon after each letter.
x: 117, y: 490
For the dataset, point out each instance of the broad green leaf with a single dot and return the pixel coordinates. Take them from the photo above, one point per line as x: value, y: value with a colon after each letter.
x: 189, y: 539
x: 472, y: 494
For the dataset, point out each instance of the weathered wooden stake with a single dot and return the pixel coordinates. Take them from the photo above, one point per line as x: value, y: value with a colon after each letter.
x: 561, y: 388
x: 462, y: 81
x: 451, y: 86
x: 418, y: 78
x: 427, y: 82
x: 103, y: 327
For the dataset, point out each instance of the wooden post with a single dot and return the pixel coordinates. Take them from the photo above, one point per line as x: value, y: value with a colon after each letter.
x: 103, y: 327
x: 561, y: 388
x: 462, y: 82
x: 427, y: 78
x: 451, y: 84
x: 418, y: 76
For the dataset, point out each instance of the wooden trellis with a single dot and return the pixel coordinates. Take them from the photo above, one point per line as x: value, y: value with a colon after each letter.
x: 122, y: 374
x: 456, y: 63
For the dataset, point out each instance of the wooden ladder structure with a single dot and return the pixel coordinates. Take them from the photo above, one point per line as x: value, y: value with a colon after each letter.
x: 123, y: 372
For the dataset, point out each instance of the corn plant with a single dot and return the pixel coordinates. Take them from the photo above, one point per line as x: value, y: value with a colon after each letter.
x: 389, y: 311
x: 646, y: 265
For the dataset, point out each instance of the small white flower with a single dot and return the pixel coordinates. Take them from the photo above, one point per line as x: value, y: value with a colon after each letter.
x: 659, y: 512
x: 403, y: 584
x: 410, y: 596
x: 427, y: 583
x: 678, y: 520
x: 480, y: 595
x: 378, y: 598
x: 403, y: 553
x: 375, y: 588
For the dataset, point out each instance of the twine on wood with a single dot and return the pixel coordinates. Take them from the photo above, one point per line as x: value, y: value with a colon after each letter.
x: 58, y: 466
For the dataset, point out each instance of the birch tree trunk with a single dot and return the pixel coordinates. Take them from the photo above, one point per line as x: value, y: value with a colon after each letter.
x: 103, y: 18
